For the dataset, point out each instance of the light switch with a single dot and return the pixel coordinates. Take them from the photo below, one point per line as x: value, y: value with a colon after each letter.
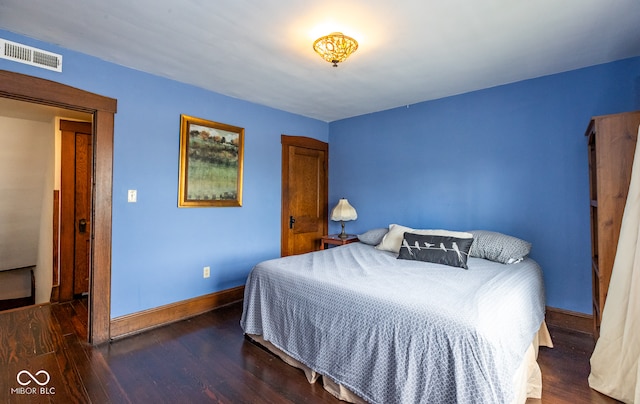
x: 132, y: 196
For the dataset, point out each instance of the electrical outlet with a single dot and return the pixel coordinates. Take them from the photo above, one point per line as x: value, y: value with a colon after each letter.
x: 206, y: 272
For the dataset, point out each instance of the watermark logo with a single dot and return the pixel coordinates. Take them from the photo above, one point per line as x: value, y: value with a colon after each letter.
x: 33, y: 383
x: 30, y: 377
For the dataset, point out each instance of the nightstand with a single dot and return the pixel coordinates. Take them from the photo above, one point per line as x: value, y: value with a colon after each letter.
x: 333, y: 239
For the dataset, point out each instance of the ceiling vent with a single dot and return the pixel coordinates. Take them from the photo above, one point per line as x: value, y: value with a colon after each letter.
x: 30, y: 55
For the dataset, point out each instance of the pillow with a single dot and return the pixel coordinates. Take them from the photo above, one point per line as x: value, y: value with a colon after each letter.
x: 373, y: 236
x: 393, y: 239
x: 446, y: 250
x: 498, y: 247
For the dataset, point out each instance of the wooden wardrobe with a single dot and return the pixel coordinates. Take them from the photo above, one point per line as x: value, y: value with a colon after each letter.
x: 612, y: 140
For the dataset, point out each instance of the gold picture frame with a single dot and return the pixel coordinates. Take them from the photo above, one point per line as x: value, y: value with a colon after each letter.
x: 211, y: 163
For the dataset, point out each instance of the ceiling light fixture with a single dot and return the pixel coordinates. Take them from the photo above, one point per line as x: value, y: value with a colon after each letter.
x: 335, y: 47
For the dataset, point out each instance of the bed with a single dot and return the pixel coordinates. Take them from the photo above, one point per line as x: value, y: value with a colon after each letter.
x: 379, y: 329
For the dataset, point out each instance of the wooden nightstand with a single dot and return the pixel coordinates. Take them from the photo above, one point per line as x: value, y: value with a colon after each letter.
x: 333, y: 239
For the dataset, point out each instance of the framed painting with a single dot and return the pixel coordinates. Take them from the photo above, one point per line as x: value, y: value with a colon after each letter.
x: 211, y: 158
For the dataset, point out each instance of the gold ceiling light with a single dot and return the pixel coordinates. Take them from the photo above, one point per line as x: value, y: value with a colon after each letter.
x: 335, y: 47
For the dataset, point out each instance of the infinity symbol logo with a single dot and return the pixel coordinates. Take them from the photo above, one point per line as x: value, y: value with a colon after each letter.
x: 32, y: 377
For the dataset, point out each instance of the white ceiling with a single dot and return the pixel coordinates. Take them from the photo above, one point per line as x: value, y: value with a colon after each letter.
x: 410, y: 50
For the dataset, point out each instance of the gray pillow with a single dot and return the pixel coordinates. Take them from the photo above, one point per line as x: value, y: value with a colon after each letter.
x: 498, y: 247
x: 373, y: 236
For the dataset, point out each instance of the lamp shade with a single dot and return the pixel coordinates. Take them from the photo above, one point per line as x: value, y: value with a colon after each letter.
x: 343, y: 211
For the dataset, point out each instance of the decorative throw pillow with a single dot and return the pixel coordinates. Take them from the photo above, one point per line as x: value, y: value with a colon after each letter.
x: 393, y: 239
x: 498, y: 247
x: 446, y: 250
x: 373, y: 236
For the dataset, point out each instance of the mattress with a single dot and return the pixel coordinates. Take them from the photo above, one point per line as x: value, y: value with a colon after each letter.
x: 389, y: 330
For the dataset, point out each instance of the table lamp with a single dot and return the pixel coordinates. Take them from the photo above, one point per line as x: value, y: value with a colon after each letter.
x: 343, y: 212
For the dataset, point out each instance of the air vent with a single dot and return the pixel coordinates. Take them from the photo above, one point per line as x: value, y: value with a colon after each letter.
x: 30, y: 55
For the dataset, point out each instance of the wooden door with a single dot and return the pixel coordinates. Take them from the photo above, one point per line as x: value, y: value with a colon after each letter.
x: 304, y: 194
x: 75, y: 205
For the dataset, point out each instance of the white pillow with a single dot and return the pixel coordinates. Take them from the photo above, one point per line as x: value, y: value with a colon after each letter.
x: 392, y: 241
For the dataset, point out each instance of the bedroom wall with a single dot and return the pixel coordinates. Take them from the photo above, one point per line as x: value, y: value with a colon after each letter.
x: 25, y: 158
x: 26, y: 201
x: 159, y: 251
x: 511, y: 159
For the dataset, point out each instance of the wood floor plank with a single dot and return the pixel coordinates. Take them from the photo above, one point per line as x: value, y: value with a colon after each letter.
x: 565, y: 369
x: 93, y: 386
x: 231, y: 378
x: 71, y: 379
x: 55, y: 390
x: 44, y: 330
x: 103, y: 373
x: 63, y: 314
x: 9, y: 339
x: 17, y: 341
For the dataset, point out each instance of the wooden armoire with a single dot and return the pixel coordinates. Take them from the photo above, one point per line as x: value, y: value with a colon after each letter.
x: 612, y: 140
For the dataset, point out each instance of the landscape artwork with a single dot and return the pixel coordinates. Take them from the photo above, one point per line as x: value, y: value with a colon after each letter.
x: 211, y: 158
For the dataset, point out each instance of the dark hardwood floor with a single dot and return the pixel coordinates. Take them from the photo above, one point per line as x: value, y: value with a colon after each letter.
x: 203, y: 359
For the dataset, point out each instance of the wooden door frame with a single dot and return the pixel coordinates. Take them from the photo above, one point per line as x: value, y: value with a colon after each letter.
x: 36, y: 90
x: 308, y: 143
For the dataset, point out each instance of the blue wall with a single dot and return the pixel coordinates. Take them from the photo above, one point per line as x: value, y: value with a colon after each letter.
x: 159, y: 250
x: 511, y: 159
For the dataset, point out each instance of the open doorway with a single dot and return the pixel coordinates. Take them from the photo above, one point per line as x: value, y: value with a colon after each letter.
x: 31, y: 140
x: 35, y: 90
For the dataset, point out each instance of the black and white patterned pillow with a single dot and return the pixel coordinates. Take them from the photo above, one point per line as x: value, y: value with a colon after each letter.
x: 446, y: 250
x: 498, y: 247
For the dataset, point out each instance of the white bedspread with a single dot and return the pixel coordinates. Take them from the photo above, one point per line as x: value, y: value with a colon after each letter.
x: 398, y: 331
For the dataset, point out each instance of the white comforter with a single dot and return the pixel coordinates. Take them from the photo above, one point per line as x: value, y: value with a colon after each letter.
x: 398, y: 331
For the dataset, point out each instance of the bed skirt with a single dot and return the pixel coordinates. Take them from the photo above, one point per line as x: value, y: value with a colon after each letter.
x: 527, y: 380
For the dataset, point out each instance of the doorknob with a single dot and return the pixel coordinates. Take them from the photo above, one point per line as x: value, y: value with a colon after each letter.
x: 292, y: 220
x: 82, y: 225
